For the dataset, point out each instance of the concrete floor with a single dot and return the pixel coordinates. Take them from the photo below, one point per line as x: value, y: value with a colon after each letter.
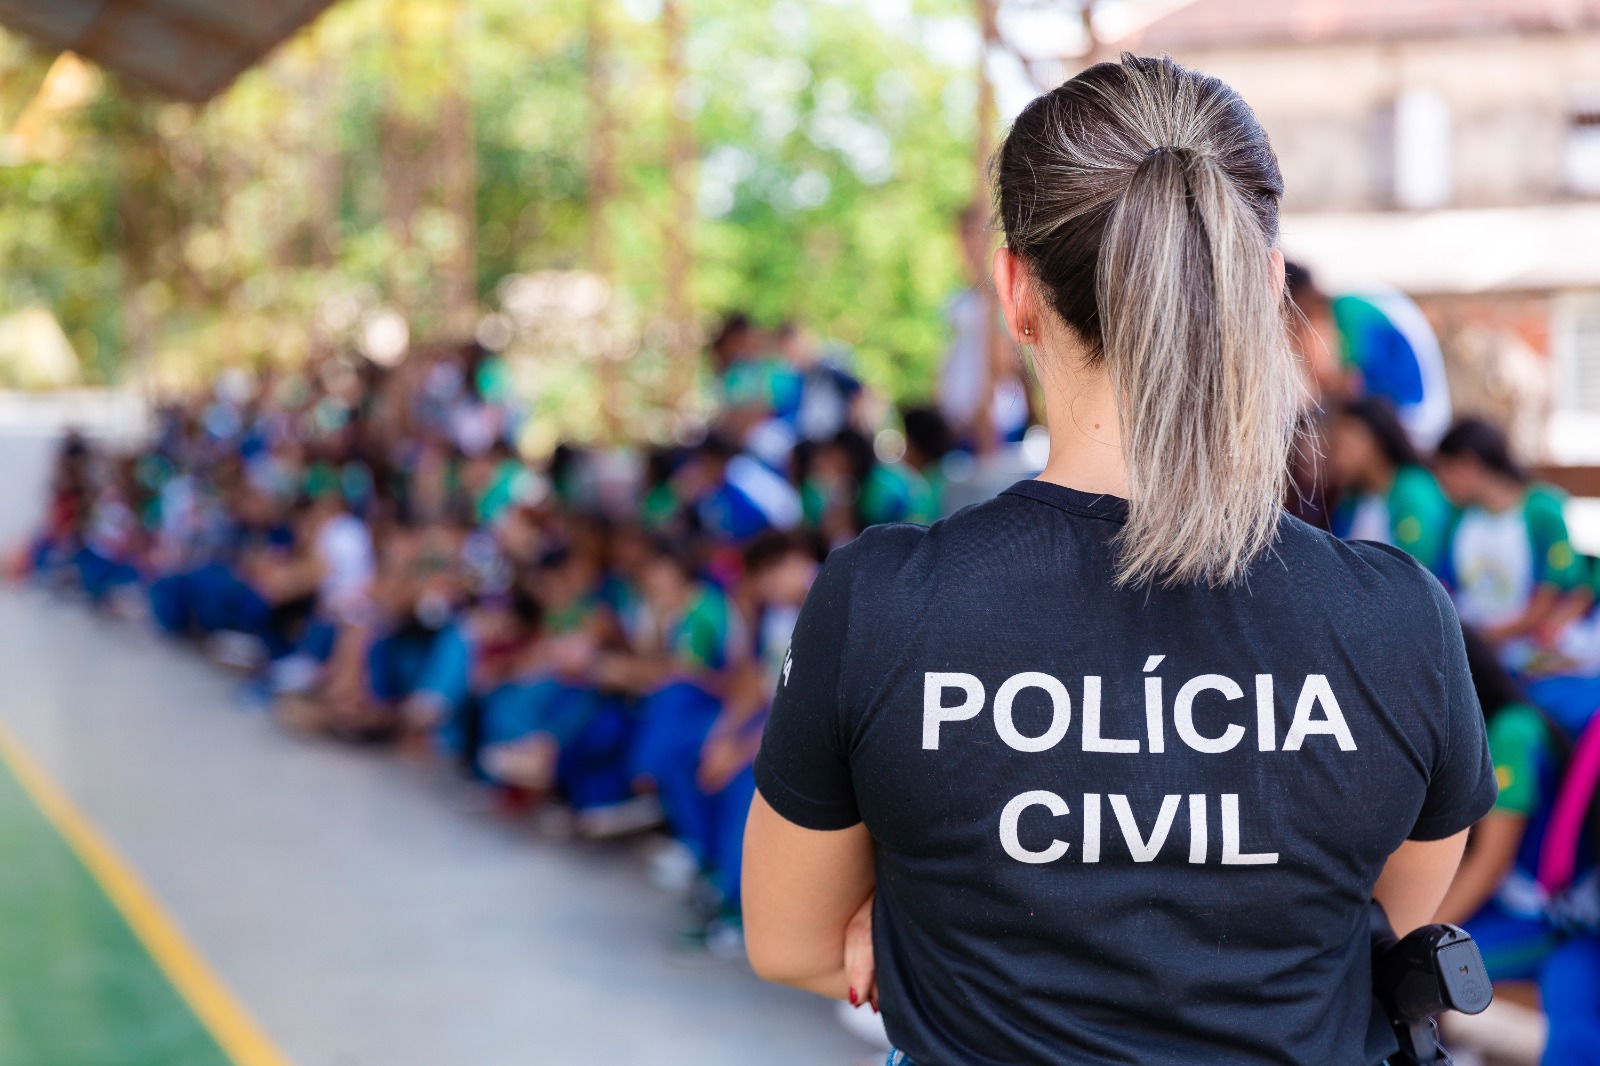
x: 362, y: 907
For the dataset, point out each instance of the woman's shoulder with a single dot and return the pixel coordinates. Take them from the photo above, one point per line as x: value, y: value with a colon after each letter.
x: 1383, y: 577
x: 890, y: 564
x: 890, y: 546
x: 879, y: 546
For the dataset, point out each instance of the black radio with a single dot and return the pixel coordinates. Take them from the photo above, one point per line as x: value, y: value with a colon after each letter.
x: 1431, y: 970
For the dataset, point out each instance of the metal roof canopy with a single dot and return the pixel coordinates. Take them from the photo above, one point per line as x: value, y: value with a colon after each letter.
x: 192, y: 49
x: 1229, y: 23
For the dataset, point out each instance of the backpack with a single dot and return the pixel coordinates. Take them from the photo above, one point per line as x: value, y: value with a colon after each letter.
x: 1572, y: 837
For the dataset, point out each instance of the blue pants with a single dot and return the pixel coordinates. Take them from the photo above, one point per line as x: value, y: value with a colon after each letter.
x: 209, y: 599
x: 100, y: 575
x: 726, y: 812
x: 46, y: 554
x: 593, y: 768
x: 395, y: 663
x: 1515, y: 948
x: 446, y: 675
x: 541, y: 705
x: 169, y: 604
x: 677, y: 720
x: 1570, y: 989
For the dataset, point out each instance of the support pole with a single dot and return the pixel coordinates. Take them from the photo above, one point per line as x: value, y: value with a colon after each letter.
x: 602, y: 183
x: 678, y: 260
x: 459, y: 181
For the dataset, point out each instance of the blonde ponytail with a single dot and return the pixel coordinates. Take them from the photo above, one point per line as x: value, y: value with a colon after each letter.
x: 1144, y: 197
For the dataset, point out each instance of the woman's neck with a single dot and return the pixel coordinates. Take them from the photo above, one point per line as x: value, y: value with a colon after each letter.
x: 1085, y: 425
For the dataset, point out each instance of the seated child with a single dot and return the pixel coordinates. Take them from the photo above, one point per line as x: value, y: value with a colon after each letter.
x: 377, y: 656
x: 550, y: 698
x: 1495, y: 894
x: 779, y: 570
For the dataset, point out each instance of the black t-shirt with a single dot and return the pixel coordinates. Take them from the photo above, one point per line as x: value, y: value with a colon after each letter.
x: 1131, y: 825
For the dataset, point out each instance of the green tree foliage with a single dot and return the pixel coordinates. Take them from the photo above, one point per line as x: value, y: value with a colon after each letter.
x: 835, y: 155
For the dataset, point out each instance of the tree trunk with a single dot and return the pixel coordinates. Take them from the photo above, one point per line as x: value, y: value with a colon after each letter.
x: 141, y: 227
x: 405, y: 158
x: 327, y: 167
x: 679, y: 236
x: 602, y: 183
x: 459, y: 167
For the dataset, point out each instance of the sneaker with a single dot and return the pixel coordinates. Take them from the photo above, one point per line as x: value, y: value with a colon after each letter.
x: 299, y: 713
x: 620, y: 819
x: 295, y: 674
x: 528, y: 763
x: 672, y: 867
x: 705, y: 899
x: 237, y: 651
x: 725, y: 938
x: 423, y: 711
x: 128, y: 603
x: 690, y: 950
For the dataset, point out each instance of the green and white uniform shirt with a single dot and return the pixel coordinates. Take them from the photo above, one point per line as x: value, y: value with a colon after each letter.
x: 1414, y: 515
x: 705, y: 636
x: 1526, y: 767
x: 1498, y: 560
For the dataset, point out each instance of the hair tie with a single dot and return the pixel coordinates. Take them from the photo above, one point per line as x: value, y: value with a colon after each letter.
x: 1160, y: 148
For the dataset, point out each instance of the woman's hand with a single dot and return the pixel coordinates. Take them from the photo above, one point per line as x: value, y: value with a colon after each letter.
x: 860, y: 969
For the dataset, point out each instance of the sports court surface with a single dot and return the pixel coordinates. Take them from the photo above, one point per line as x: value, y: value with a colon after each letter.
x: 315, y: 905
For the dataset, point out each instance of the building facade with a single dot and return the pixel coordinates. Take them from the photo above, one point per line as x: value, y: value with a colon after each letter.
x: 1451, y: 149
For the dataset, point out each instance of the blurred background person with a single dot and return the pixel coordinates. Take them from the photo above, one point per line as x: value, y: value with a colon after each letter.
x: 1510, y: 561
x: 1386, y: 492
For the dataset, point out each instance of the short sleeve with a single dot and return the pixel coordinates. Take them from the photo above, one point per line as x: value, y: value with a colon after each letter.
x: 803, y: 768
x: 1421, y: 516
x: 710, y: 634
x: 1557, y: 563
x: 1461, y: 782
x: 1516, y: 740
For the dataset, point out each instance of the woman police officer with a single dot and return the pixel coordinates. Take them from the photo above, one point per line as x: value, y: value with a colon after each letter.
x: 1109, y: 768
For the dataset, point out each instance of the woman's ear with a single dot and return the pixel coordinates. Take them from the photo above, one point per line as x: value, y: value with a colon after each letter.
x: 1279, y: 274
x: 1011, y: 284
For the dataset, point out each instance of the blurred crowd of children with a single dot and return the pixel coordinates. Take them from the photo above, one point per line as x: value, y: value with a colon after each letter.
x: 596, y: 637
x: 1467, y: 509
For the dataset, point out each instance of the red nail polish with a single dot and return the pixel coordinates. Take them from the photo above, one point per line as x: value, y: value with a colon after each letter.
x: 854, y: 1002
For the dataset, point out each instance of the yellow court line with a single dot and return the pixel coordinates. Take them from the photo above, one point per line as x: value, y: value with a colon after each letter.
x: 219, y: 1011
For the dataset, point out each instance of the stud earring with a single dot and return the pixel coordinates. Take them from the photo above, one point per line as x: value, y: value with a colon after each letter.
x: 1027, y: 331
